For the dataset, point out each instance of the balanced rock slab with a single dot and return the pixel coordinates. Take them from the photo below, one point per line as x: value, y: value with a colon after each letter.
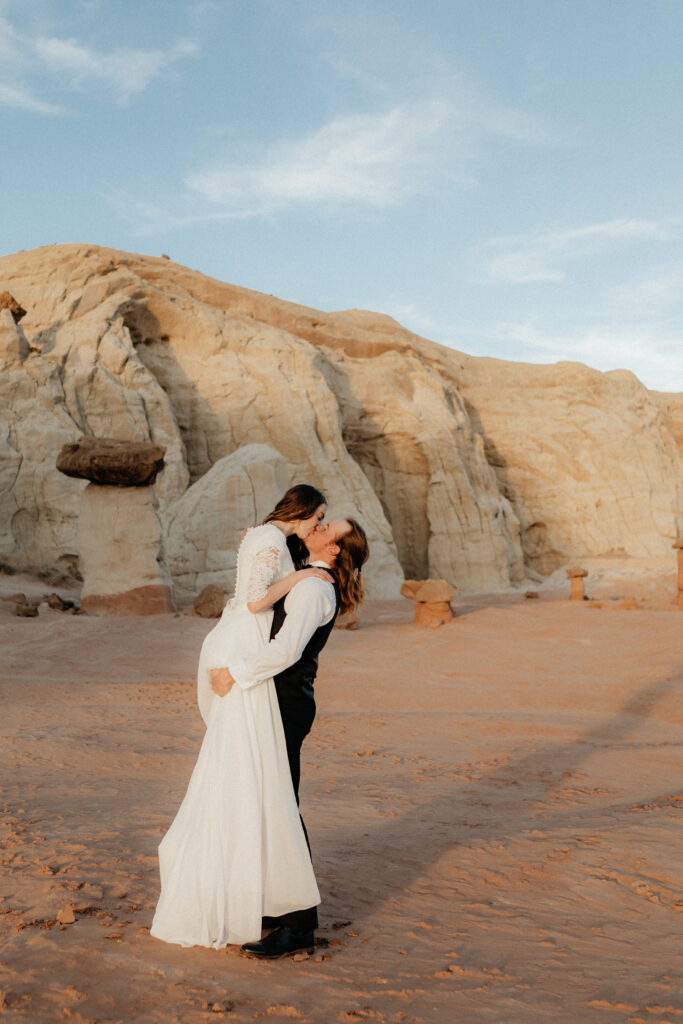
x: 110, y: 462
x: 435, y: 592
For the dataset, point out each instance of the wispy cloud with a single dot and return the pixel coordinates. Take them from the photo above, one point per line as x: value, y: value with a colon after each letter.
x: 372, y: 160
x: 126, y: 70
x: 542, y: 255
x: 21, y: 99
x: 27, y: 59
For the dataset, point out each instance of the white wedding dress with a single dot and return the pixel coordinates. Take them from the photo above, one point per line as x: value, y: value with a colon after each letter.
x: 236, y: 850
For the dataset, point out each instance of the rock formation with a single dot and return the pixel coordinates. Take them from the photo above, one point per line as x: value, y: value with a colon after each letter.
x: 678, y: 545
x: 120, y: 537
x: 205, y: 525
x: 474, y: 470
x: 432, y: 601
x: 585, y: 458
x: 209, y: 603
x: 8, y: 301
x: 576, y: 577
x: 14, y: 347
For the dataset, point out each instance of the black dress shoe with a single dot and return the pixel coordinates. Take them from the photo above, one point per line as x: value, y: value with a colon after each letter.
x: 281, y: 942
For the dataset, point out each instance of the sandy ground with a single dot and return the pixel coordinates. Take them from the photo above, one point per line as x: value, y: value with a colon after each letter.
x: 492, y: 807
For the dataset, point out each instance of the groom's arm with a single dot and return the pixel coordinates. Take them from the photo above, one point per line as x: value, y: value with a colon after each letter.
x: 310, y: 604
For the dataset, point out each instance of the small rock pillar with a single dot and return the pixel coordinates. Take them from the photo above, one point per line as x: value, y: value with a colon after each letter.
x: 121, y: 556
x: 678, y: 545
x: 577, y: 577
x: 432, y: 601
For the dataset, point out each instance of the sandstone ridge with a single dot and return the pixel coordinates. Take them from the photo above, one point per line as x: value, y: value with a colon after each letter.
x: 472, y: 470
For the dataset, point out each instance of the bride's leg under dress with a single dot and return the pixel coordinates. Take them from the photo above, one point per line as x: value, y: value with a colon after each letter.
x: 236, y: 849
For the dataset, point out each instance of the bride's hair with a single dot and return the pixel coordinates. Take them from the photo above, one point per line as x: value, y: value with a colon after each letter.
x: 299, y: 502
x: 353, y: 553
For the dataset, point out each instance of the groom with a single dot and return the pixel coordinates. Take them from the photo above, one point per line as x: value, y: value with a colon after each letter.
x: 302, y: 623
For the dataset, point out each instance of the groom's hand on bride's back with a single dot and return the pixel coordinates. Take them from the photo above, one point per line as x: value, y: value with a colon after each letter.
x: 221, y: 681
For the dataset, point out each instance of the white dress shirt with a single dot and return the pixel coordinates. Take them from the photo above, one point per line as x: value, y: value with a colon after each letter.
x: 309, y: 605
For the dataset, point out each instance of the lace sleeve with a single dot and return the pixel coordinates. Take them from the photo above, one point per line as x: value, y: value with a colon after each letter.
x: 264, y: 570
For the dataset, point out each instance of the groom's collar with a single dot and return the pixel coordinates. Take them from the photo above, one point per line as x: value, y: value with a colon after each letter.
x: 320, y: 564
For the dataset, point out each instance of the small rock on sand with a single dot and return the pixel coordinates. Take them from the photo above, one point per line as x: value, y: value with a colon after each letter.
x: 210, y: 602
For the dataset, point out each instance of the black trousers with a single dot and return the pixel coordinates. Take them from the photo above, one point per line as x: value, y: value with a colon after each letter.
x: 297, y: 719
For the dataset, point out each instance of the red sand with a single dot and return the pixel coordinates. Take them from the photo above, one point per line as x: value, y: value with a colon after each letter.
x: 492, y: 807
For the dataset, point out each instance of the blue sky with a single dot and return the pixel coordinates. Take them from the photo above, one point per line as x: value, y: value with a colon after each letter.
x: 502, y: 176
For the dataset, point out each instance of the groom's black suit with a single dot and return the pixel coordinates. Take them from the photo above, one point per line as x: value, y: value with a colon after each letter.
x: 296, y: 697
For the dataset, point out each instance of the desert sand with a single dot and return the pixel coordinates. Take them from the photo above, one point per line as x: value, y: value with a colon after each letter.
x: 492, y: 807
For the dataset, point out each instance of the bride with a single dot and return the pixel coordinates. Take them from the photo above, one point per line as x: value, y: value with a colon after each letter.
x: 236, y: 851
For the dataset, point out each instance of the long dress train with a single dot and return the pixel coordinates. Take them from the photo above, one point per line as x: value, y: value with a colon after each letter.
x: 236, y: 850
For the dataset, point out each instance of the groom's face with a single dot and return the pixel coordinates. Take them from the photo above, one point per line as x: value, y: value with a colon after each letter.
x: 322, y: 541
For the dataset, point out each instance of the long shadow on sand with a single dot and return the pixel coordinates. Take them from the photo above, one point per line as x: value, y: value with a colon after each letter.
x: 509, y: 801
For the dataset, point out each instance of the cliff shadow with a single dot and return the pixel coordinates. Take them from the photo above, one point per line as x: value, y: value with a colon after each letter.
x: 505, y: 803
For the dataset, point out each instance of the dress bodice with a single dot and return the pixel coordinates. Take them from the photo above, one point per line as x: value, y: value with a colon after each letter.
x: 262, y: 559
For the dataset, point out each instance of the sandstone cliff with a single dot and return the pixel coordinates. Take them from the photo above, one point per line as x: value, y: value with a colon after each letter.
x: 461, y: 468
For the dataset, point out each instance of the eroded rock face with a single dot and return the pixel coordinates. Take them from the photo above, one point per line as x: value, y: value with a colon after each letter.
x: 473, y: 470
x: 407, y: 427
x: 671, y: 410
x: 585, y: 458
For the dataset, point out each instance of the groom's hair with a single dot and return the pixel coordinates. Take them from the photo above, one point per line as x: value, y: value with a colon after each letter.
x: 353, y: 554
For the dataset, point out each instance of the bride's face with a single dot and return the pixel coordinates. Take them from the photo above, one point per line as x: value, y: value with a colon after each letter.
x: 306, y: 526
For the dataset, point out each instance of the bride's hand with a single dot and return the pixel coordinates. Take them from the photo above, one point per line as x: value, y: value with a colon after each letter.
x: 314, y: 572
x: 221, y: 681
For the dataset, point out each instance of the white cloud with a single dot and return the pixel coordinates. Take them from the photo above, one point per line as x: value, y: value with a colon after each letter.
x: 372, y: 160
x: 128, y: 71
x: 21, y: 99
x: 542, y: 255
x: 25, y: 56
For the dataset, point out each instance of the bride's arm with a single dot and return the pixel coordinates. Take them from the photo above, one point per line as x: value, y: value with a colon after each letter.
x: 282, y: 587
x: 311, y: 606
